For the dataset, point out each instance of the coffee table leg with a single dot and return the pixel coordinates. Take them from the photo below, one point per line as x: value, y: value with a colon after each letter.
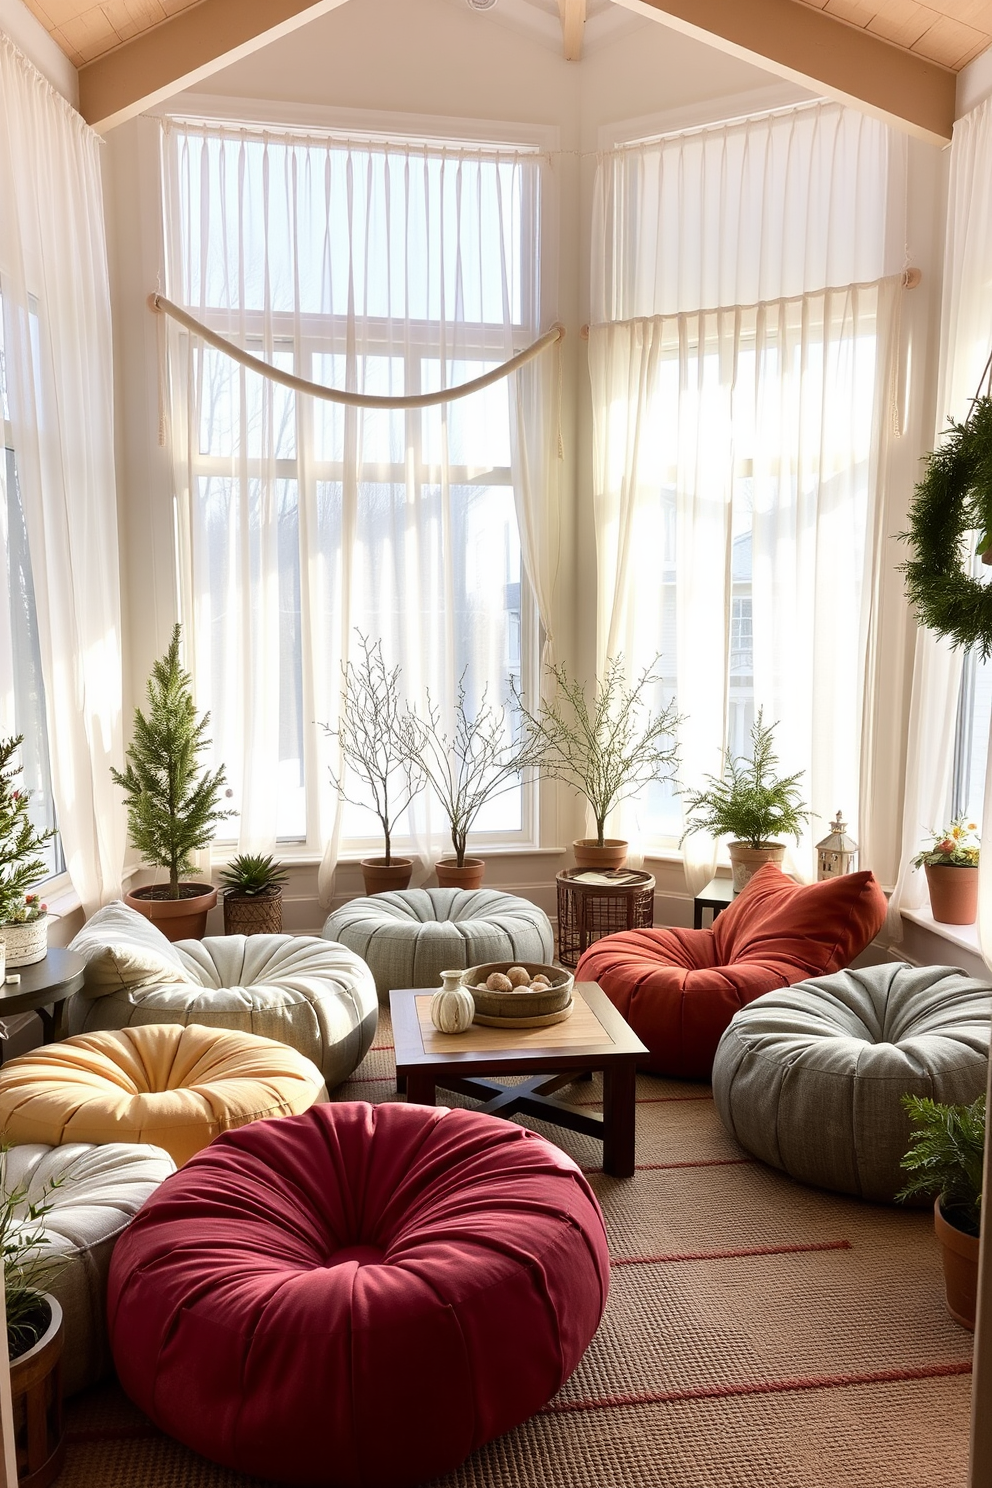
x: 420, y: 1088
x: 619, y: 1081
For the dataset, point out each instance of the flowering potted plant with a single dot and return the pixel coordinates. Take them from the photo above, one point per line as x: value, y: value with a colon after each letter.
x: 23, y: 917
x: 951, y: 862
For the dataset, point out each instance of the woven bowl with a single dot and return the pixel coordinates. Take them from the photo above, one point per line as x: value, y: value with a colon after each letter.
x: 519, y: 1004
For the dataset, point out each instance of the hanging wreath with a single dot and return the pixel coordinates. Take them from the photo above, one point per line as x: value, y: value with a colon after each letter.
x: 952, y: 502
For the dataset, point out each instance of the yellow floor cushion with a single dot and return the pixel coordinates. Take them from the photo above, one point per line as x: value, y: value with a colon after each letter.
x: 163, y: 1083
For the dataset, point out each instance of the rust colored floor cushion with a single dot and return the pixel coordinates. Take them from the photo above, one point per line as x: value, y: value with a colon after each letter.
x: 678, y: 989
x: 360, y: 1296
x: 176, y: 1087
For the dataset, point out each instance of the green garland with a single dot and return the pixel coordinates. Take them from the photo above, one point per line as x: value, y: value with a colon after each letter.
x: 952, y: 501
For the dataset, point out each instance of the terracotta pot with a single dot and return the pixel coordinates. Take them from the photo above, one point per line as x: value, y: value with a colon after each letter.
x: 252, y: 914
x: 381, y: 877
x: 469, y: 876
x: 36, y: 1388
x: 953, y: 893
x: 178, y: 919
x: 589, y: 854
x: 745, y: 860
x: 959, y: 1256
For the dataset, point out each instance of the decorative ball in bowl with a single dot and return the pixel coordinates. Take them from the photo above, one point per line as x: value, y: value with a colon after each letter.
x: 518, y: 989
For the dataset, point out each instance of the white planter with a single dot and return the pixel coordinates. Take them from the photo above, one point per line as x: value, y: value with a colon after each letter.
x: 25, y: 943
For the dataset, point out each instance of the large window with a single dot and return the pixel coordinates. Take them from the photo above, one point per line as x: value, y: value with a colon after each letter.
x: 383, y: 268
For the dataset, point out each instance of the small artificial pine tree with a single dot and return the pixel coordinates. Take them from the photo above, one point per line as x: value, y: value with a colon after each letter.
x: 20, y: 866
x: 171, y: 810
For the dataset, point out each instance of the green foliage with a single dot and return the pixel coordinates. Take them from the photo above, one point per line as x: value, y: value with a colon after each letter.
x: 375, y: 739
x: 251, y: 873
x: 607, y: 749
x: 27, y: 1270
x: 956, y: 847
x: 750, y: 803
x: 172, y: 809
x: 951, y: 503
x: 20, y: 844
x: 947, y: 1157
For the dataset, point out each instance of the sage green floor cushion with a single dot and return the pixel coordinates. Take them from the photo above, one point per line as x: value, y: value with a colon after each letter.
x: 90, y: 1195
x: 809, y: 1078
x: 317, y: 997
x: 409, y: 937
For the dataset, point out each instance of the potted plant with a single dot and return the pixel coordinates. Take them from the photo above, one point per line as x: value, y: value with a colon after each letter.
x: 373, y: 736
x: 478, y: 761
x: 172, y: 805
x: 751, y: 805
x: 23, y: 917
x: 947, y: 1159
x: 251, y: 892
x: 34, y: 1335
x: 607, y: 748
x: 951, y: 862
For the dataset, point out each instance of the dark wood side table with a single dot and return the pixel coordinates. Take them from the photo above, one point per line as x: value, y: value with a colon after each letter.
x: 595, y: 1037
x: 593, y: 904
x: 44, y: 986
x: 716, y: 895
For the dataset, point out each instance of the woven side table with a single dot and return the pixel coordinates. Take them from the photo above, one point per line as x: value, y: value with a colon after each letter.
x: 588, y: 911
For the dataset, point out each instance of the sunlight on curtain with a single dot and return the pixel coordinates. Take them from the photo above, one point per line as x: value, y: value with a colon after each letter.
x: 381, y: 268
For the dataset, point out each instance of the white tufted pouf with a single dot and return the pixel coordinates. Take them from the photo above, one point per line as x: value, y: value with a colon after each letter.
x: 99, y: 1191
x: 408, y: 938
x: 809, y: 1078
x: 303, y: 991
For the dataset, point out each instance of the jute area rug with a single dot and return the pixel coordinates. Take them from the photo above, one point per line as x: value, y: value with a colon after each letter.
x: 759, y: 1334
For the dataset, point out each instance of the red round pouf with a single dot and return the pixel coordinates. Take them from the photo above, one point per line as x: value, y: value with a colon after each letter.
x: 359, y: 1296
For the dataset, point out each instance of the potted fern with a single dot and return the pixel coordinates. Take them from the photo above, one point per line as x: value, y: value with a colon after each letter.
x: 173, y: 805
x: 251, y: 890
x: 751, y: 804
x: 23, y: 917
x: 946, y: 1160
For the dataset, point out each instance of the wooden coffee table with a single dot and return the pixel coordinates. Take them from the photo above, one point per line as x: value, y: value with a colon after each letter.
x: 46, y: 984
x: 594, y: 1038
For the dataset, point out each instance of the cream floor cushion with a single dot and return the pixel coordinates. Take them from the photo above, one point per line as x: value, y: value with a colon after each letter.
x: 97, y: 1192
x: 173, y: 1086
x: 317, y: 997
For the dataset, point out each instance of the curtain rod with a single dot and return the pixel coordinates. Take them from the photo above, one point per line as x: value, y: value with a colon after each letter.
x: 162, y: 306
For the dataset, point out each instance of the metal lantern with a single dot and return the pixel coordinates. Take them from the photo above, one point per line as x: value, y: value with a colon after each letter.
x: 836, y: 854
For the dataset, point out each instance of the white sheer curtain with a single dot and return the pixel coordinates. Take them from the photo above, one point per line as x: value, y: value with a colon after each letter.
x: 386, y: 268
x: 59, y: 390
x: 740, y: 406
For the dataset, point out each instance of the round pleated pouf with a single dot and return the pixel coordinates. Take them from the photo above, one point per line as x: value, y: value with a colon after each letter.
x: 408, y: 938
x: 809, y: 1078
x: 162, y: 1083
x: 360, y: 1296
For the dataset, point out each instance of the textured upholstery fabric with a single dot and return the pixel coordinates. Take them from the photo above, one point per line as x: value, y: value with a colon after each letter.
x: 315, y: 996
x: 360, y: 1296
x: 122, y: 949
x: 172, y: 1086
x: 410, y: 937
x: 679, y: 989
x: 97, y: 1192
x: 809, y: 1078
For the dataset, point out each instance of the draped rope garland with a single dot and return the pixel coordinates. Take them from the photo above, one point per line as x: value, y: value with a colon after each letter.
x: 951, y: 503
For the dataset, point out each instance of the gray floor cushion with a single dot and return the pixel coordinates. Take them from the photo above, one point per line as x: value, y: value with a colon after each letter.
x: 408, y: 938
x: 809, y: 1078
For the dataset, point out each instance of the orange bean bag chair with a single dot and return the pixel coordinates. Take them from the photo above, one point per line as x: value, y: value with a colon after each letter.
x: 176, y: 1087
x: 679, y: 989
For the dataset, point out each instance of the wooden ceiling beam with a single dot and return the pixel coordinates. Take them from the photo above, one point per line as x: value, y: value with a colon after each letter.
x: 812, y: 48
x: 573, y: 24
x: 184, y: 50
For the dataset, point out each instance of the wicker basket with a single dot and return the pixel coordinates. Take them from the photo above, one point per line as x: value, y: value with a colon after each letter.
x: 26, y: 942
x: 253, y: 914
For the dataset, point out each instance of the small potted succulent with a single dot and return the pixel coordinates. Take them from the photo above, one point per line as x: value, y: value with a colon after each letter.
x: 173, y: 806
x: 23, y: 916
x: 751, y: 805
x: 946, y: 1159
x: 251, y: 890
x: 951, y: 862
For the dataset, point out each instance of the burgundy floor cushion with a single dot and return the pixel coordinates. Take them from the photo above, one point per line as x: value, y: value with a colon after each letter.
x: 360, y: 1295
x: 679, y: 989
